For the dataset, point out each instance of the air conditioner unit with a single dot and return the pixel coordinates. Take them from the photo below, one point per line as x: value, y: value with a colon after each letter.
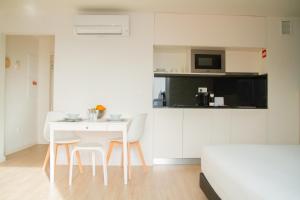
x: 101, y: 25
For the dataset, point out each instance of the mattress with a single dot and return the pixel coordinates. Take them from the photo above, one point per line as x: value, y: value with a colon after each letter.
x: 253, y: 171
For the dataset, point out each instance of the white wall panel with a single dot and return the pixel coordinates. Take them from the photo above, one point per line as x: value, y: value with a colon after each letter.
x: 197, y: 131
x: 248, y: 126
x: 210, y: 30
x: 284, y: 76
x: 167, y: 133
x: 2, y: 97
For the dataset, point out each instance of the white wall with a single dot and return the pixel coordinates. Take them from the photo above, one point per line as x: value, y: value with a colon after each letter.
x: 45, y: 50
x: 284, y: 76
x: 2, y: 97
x: 21, y: 95
x: 115, y: 72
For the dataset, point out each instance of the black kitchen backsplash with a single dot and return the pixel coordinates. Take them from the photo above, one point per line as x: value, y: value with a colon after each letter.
x: 238, y: 91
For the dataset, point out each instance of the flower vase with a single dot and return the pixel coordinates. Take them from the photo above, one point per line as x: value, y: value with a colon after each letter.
x: 100, y: 114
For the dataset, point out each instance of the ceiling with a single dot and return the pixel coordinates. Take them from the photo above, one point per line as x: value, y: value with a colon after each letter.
x: 283, y: 8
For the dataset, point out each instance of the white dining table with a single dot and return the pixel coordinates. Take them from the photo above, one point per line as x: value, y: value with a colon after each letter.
x: 95, y: 126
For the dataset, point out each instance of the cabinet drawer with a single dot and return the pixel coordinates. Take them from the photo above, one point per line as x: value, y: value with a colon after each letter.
x: 115, y: 127
x: 93, y: 127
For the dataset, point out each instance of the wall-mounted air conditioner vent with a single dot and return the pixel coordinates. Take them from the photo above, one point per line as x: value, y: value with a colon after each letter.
x: 102, y: 25
x: 286, y: 27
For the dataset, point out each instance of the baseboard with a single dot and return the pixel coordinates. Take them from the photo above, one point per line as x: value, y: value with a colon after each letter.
x: 19, y: 149
x: 176, y: 161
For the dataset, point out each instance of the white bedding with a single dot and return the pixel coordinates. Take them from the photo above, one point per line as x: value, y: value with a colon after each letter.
x: 244, y: 172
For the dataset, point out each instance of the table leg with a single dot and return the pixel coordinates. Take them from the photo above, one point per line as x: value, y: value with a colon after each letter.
x: 52, y: 155
x: 125, y: 160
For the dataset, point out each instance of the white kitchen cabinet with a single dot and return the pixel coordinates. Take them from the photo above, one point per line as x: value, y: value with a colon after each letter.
x: 221, y: 126
x: 244, y: 60
x: 172, y: 59
x: 248, y: 126
x: 167, y: 136
x: 197, y: 130
x: 209, y: 30
x: 178, y: 59
x: 181, y: 133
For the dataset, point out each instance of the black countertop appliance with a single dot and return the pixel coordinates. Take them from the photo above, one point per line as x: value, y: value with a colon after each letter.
x: 202, y: 99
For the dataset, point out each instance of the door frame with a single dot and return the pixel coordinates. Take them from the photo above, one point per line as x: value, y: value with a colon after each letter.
x: 2, y: 97
x: 3, y: 36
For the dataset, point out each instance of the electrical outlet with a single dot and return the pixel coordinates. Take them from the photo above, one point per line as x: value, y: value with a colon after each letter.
x: 202, y: 89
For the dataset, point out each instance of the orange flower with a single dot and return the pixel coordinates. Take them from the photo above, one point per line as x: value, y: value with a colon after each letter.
x: 100, y: 108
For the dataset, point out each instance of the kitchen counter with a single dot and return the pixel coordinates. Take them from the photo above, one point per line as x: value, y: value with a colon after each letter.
x: 213, y: 107
x: 232, y: 74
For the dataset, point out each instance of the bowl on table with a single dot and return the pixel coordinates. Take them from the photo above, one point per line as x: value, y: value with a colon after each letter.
x: 73, y: 116
x: 115, y: 117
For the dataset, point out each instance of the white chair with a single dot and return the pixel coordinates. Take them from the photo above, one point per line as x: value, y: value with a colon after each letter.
x: 135, y: 132
x: 61, y: 138
x: 93, y: 147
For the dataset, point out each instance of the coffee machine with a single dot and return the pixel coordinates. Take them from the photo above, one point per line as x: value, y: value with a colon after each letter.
x: 202, y: 98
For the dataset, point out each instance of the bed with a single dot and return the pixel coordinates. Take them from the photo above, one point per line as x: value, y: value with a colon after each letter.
x: 244, y: 172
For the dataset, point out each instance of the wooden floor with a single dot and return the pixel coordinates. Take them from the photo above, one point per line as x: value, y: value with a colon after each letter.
x: 22, y: 177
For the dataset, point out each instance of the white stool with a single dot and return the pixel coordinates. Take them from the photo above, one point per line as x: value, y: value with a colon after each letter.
x: 89, y: 147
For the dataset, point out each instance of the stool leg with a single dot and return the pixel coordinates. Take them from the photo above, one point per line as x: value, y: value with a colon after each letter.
x: 71, y: 166
x: 122, y: 155
x: 129, y: 160
x: 110, y: 149
x: 68, y: 153
x: 104, y: 168
x: 94, y: 163
x: 79, y: 162
x: 56, y: 152
x: 46, y: 158
x: 141, y: 155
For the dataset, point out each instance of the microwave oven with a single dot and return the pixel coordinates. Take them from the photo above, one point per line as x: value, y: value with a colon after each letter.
x: 208, y: 61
